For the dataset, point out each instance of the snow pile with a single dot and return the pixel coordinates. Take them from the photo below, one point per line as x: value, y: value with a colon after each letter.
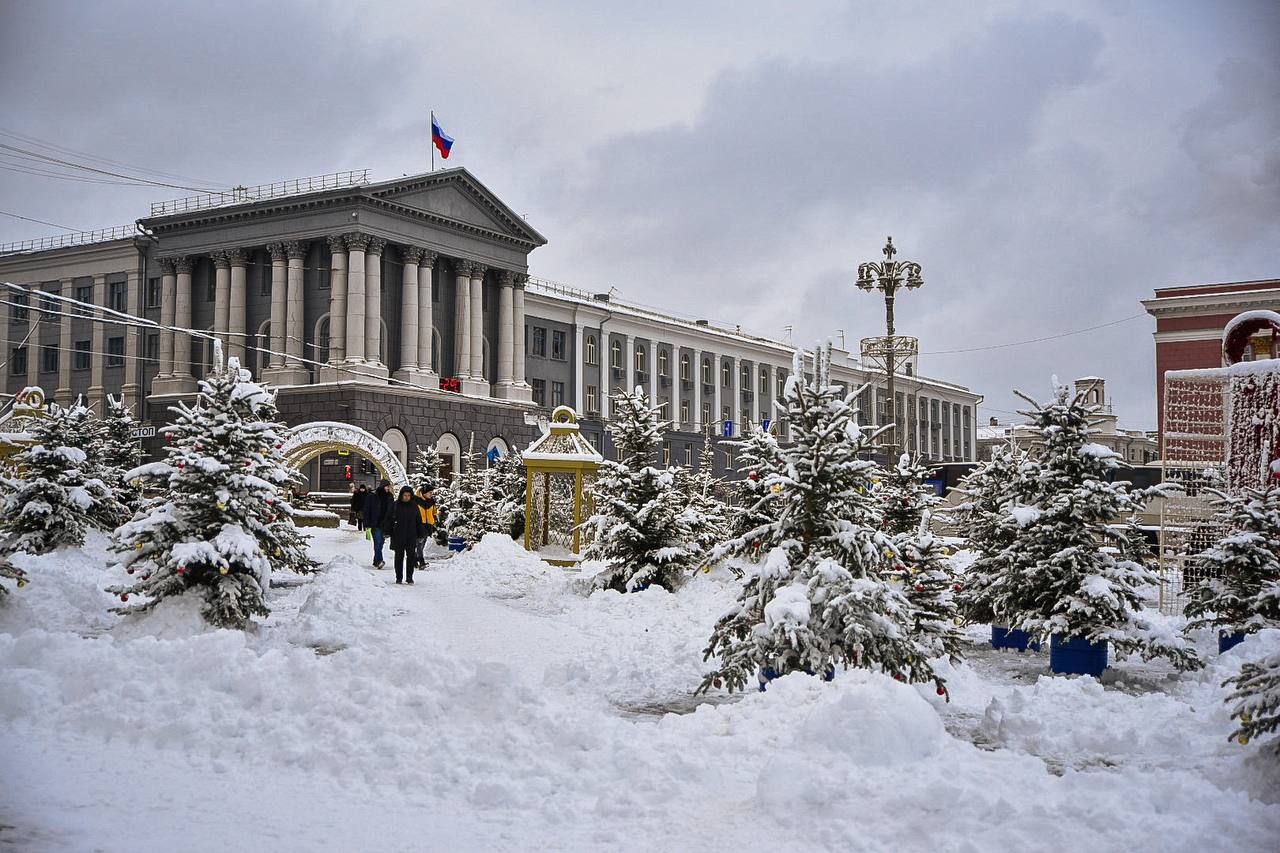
x: 64, y: 592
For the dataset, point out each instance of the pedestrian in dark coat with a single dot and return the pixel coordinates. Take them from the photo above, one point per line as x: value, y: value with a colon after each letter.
x: 358, y: 496
x: 376, y: 507
x: 403, y: 524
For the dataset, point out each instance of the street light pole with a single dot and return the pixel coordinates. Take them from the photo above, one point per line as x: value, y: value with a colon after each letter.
x: 887, y: 276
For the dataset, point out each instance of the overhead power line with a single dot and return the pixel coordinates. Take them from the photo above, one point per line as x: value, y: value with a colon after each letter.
x: 94, y: 170
x: 39, y: 221
x: 36, y: 142
x: 1037, y: 340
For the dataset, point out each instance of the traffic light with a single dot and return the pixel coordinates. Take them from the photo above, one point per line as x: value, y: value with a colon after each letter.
x: 366, y: 467
x: 346, y: 472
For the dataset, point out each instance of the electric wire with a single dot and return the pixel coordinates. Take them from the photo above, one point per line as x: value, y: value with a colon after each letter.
x: 44, y: 143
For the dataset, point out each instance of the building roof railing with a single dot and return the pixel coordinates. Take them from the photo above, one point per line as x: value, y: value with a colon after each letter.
x: 261, y: 192
x: 75, y: 238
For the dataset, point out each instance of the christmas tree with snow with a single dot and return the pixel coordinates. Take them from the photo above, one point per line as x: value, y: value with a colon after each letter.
x: 54, y: 492
x: 1241, y: 591
x: 507, y: 481
x: 474, y: 507
x: 931, y: 588
x: 758, y: 458
x: 642, y: 527
x: 425, y: 466
x: 904, y: 497
x: 821, y: 597
x: 1255, y: 700
x: 711, y: 516
x: 983, y: 517
x: 1069, y: 569
x: 120, y: 450
x: 222, y: 522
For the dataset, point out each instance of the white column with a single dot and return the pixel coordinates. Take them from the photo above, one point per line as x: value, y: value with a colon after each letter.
x: 754, y: 384
x: 676, y: 420
x: 337, y: 299
x: 373, y: 306
x: 606, y: 370
x: 279, y: 304
x: 356, y: 244
x: 295, y: 371
x: 695, y: 396
x: 63, y: 394
x: 629, y: 364
x: 34, y: 318
x: 221, y: 296
x: 653, y: 372
x: 427, y: 375
x: 506, y: 334
x: 462, y: 319
x: 98, y: 337
x: 479, y: 381
x: 526, y: 393
x: 736, y: 407
x: 183, y: 319
x: 579, y: 370
x: 409, y: 314
x: 717, y: 404
x: 237, y: 305
x: 168, y: 297
x: 131, y: 390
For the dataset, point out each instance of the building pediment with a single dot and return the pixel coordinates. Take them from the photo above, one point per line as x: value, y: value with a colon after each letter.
x: 456, y: 195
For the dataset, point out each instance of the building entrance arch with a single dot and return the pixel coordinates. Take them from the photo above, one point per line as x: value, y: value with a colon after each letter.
x: 305, y: 442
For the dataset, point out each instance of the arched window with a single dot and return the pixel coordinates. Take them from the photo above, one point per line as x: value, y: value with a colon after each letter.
x: 764, y: 380
x: 663, y: 363
x: 726, y: 374
x: 320, y: 349
x: 706, y: 372
x: 450, y: 451
x: 394, y: 439
x: 684, y: 367
x: 641, y: 358
x: 500, y: 445
x: 261, y: 344
x: 591, y: 350
x: 615, y: 355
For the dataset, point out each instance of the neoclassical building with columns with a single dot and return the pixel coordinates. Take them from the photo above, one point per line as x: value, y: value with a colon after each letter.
x: 402, y: 307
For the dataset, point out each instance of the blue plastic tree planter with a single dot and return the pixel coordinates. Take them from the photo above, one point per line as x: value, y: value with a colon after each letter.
x: 768, y: 673
x: 1229, y: 641
x: 1077, y: 656
x: 457, y: 543
x: 1004, y: 638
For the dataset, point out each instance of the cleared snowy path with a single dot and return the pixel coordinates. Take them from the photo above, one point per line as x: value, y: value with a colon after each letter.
x: 494, y: 706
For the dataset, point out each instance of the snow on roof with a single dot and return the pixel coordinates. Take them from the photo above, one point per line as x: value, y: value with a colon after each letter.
x: 1244, y: 368
x: 1249, y: 316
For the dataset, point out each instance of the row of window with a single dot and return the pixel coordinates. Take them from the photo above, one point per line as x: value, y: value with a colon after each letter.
x: 82, y: 354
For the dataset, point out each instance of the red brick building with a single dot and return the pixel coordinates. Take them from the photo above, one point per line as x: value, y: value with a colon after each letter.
x: 1190, y: 321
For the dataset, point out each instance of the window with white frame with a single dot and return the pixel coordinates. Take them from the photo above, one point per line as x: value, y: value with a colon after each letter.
x: 684, y: 367
x: 615, y: 355
x: 593, y: 399
x: 726, y: 374
x: 706, y: 372
x: 641, y: 358
x: 663, y: 363
x: 590, y: 350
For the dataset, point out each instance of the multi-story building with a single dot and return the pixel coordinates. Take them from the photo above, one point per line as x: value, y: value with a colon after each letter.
x: 403, y: 308
x: 1190, y: 320
x: 1135, y: 447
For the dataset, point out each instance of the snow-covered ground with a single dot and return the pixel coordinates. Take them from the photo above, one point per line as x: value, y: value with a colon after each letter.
x: 495, y: 706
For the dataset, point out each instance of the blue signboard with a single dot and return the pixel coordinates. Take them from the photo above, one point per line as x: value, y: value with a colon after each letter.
x: 493, y: 455
x: 728, y: 429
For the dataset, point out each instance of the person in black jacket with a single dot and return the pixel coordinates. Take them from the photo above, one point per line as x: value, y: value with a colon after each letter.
x: 403, y: 524
x: 376, y: 507
x: 358, y: 496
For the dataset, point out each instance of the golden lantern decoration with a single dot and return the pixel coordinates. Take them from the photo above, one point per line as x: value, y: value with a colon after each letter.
x: 560, y: 467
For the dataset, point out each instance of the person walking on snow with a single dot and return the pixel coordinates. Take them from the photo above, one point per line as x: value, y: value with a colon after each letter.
x: 376, y: 507
x: 426, y: 502
x: 358, y: 496
x: 403, y: 525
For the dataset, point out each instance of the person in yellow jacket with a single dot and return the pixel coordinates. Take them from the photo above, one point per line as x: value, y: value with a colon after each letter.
x: 425, y: 500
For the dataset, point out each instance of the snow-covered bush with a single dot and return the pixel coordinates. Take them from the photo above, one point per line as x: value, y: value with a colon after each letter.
x: 930, y: 587
x: 710, y: 515
x: 222, y: 522
x: 642, y: 526
x: 820, y: 596
x: 904, y: 497
x: 120, y: 451
x: 758, y: 456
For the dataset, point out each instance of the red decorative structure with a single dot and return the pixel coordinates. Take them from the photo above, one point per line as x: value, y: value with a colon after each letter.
x: 452, y: 385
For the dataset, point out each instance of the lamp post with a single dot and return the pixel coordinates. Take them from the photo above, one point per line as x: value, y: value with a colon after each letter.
x: 887, y: 276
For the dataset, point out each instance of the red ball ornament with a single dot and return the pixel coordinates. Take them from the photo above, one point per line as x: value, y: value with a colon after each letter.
x: 248, y: 464
x: 897, y: 676
x: 271, y: 517
x: 199, y: 447
x: 124, y: 596
x: 271, y: 501
x: 129, y: 570
x: 168, y: 436
x: 278, y: 446
x: 942, y: 691
x: 919, y: 587
x: 146, y: 577
x: 958, y: 587
x: 182, y: 570
x: 182, y: 465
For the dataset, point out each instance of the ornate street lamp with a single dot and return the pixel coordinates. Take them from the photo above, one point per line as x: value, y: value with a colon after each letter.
x: 887, y: 276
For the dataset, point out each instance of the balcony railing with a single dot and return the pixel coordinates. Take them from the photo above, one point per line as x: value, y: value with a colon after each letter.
x: 76, y: 238
x: 261, y: 192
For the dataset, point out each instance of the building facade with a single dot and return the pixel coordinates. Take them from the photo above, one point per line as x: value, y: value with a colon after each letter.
x: 404, y: 308
x: 1135, y: 447
x: 1190, y: 321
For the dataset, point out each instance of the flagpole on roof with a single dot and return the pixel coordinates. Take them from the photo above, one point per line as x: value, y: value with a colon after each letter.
x: 431, y: 143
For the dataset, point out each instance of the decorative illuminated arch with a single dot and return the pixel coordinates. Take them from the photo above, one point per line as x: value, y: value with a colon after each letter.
x: 307, y: 441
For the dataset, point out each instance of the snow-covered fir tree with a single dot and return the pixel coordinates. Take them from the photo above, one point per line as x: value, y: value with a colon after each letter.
x: 507, y: 480
x: 904, y: 497
x: 121, y: 451
x: 758, y: 457
x: 642, y: 527
x: 473, y: 505
x: 222, y: 521
x: 425, y: 466
x: 702, y: 492
x: 54, y: 492
x: 982, y: 517
x: 930, y: 587
x: 1240, y: 593
x: 821, y: 597
x: 1069, y: 569
x: 1255, y: 700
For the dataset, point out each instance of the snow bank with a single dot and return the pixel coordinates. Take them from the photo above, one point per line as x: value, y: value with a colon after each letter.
x: 64, y: 592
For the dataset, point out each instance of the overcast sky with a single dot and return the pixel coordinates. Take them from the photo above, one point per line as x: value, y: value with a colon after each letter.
x: 1047, y: 163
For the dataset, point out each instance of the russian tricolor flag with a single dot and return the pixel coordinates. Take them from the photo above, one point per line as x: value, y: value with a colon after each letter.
x: 440, y: 139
